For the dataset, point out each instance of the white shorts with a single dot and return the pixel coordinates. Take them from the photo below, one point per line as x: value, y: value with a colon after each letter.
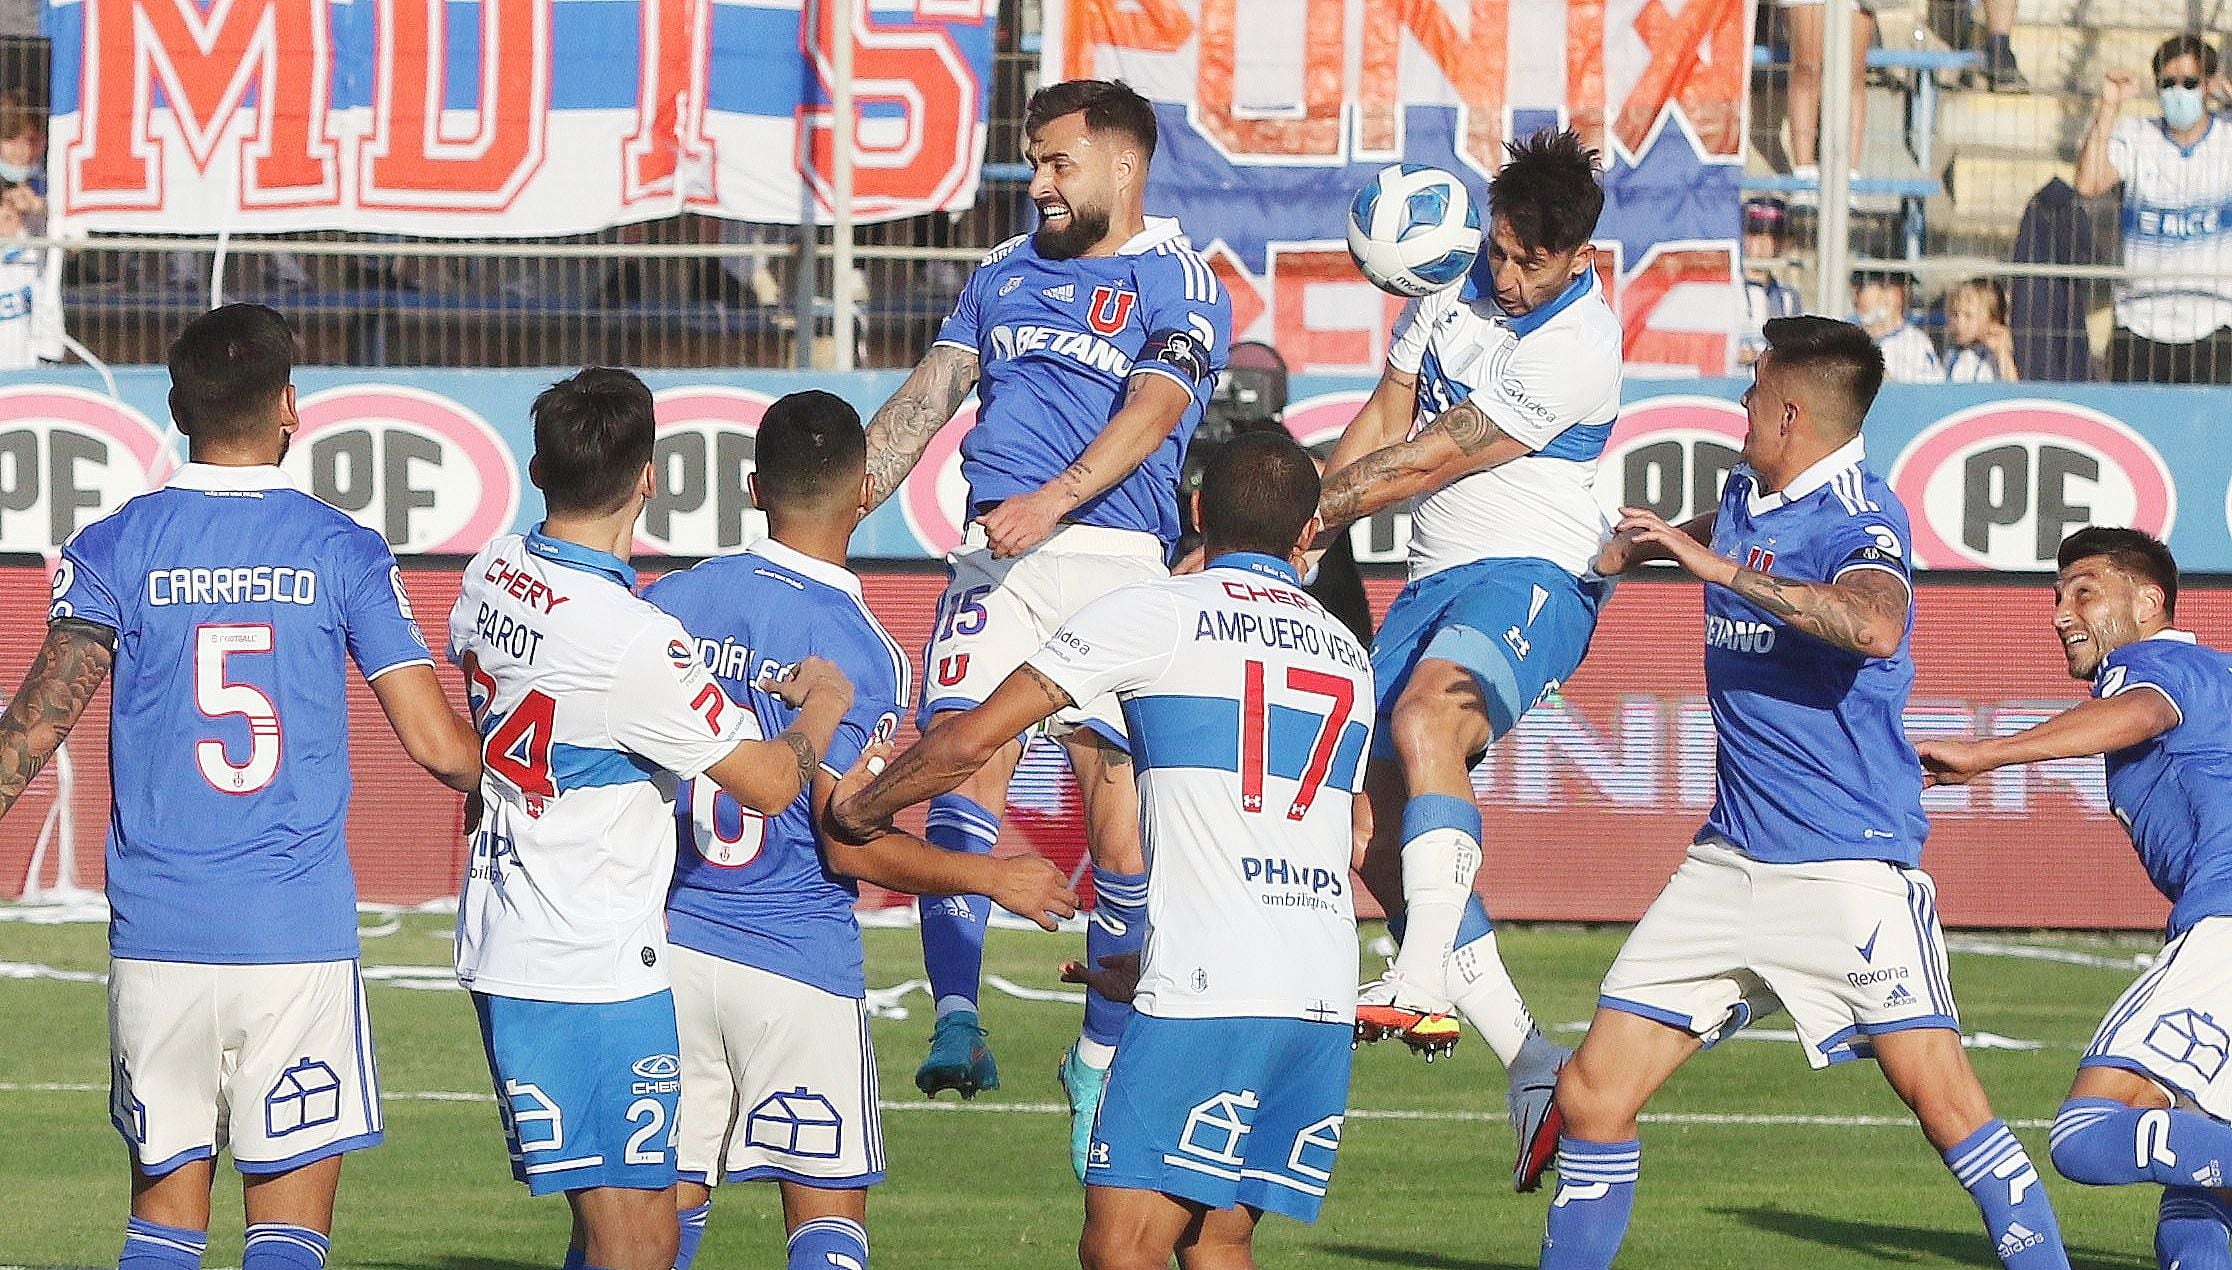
x: 1850, y: 947
x: 778, y: 1079
x: 275, y: 1061
x: 996, y: 613
x: 2170, y: 1025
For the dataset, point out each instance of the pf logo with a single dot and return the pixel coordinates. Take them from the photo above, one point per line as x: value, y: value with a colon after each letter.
x: 934, y: 498
x: 1317, y: 422
x: 1998, y: 486
x: 425, y: 472
x: 1671, y: 455
x: 67, y: 458
x: 704, y: 457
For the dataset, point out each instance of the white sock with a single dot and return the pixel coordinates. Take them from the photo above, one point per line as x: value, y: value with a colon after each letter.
x: 1094, y: 1054
x: 1438, y: 870
x: 955, y: 1005
x: 1482, y: 990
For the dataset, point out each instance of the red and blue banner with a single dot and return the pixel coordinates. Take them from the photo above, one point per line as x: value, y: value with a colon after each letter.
x: 503, y: 118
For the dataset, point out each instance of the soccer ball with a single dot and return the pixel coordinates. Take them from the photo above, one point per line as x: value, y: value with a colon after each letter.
x: 1413, y: 230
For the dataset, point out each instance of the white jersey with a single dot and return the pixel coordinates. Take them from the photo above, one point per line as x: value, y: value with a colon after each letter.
x: 30, y: 308
x: 1250, y: 713
x: 588, y: 697
x: 2177, y: 221
x: 1909, y: 357
x: 1550, y: 380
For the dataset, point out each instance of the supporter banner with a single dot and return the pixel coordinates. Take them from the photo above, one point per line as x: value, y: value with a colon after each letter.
x: 1588, y: 804
x: 1993, y: 475
x: 1264, y: 141
x: 502, y: 118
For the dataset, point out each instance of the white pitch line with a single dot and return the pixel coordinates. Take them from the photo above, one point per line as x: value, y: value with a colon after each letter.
x: 1702, y: 1118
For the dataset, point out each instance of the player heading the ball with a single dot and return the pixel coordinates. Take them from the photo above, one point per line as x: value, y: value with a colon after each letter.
x: 586, y: 695
x: 228, y: 604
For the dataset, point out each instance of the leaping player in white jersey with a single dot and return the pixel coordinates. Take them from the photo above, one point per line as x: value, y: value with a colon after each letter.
x: 588, y: 696
x: 1497, y: 399
x: 1092, y: 345
x: 1251, y: 713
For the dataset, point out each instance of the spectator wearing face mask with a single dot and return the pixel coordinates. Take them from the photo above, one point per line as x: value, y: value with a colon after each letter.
x: 2173, y: 320
x: 1882, y: 301
x: 30, y: 300
x: 1766, y: 236
x: 1979, y: 347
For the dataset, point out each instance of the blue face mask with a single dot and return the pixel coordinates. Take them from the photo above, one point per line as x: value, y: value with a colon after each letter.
x: 15, y: 173
x: 2181, y: 108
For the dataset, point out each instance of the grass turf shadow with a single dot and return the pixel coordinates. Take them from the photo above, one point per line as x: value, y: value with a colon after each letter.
x: 1414, y: 1260
x: 1895, y: 1245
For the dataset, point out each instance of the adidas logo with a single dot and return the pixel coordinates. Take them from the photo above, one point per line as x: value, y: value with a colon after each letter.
x: 1010, y: 285
x: 2208, y: 1175
x: 1899, y: 996
x: 2018, y: 1238
x: 1064, y: 293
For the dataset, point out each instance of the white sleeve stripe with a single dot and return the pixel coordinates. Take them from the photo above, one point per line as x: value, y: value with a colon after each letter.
x: 1858, y: 565
x: 966, y: 348
x: 1158, y: 368
x: 2128, y: 685
x: 427, y: 662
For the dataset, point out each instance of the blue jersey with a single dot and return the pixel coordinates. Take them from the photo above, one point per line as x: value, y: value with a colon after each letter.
x: 235, y: 599
x: 1814, y: 762
x: 754, y: 889
x: 1056, y: 343
x: 2174, y: 793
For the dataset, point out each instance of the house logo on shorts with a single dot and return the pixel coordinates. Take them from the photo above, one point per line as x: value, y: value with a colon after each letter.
x: 2191, y: 1039
x: 1217, y: 1128
x: 799, y: 1123
x: 305, y: 1096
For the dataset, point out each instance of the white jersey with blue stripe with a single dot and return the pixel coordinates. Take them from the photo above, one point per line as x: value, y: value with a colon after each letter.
x: 1249, y: 711
x: 750, y: 888
x: 1549, y: 379
x: 587, y: 698
x: 237, y: 602
x: 2177, y: 230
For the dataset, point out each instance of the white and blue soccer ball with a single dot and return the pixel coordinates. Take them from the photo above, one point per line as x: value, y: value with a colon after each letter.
x: 1413, y: 230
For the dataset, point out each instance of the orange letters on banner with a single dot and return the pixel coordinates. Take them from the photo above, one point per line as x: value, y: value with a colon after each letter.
x: 414, y: 162
x: 1699, y: 59
x: 1317, y: 132
x: 1648, y: 286
x: 205, y: 67
x: 907, y: 65
x: 1248, y: 305
x: 670, y: 109
x: 1152, y: 26
x: 1477, y: 65
x: 1585, y: 105
x: 1360, y: 346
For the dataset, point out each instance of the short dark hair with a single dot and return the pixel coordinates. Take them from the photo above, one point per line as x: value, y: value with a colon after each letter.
x: 1836, y: 355
x: 1110, y: 105
x: 2186, y: 45
x: 593, y: 434
x: 228, y: 369
x: 811, y: 447
x: 1548, y: 193
x: 2135, y: 551
x: 1257, y: 493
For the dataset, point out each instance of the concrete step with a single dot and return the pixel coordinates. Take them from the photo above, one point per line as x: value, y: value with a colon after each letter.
x: 1994, y: 188
x: 2073, y: 59
x: 2161, y: 16
x: 2045, y: 123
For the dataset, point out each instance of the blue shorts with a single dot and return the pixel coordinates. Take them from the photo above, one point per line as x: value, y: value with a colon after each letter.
x: 1225, y: 1112
x: 1521, y: 626
x: 586, y: 1090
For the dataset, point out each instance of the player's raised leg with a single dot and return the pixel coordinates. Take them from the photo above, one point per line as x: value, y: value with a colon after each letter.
x: 1109, y: 792
x: 953, y: 929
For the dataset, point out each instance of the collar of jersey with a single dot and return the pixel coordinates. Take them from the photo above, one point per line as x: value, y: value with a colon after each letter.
x: 2174, y: 635
x: 2185, y: 151
x: 1528, y: 323
x: 1257, y: 562
x: 800, y: 563
x: 1842, y: 458
x: 1159, y: 230
x: 213, y: 476
x: 575, y: 556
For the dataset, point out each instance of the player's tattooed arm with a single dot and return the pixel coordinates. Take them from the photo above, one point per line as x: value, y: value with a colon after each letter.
x: 902, y: 428
x: 767, y: 776
x: 1154, y: 404
x: 957, y: 744
x: 2139, y: 713
x: 1863, y: 612
x: 1025, y: 885
x: 1460, y: 441
x: 63, y: 677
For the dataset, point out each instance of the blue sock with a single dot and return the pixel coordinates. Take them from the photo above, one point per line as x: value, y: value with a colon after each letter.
x: 1119, y: 925
x: 2018, y: 1216
x: 148, y: 1246
x: 2102, y: 1142
x: 953, y: 925
x: 829, y: 1243
x: 576, y: 1259
x: 278, y: 1246
x: 1470, y: 927
x: 1596, y: 1192
x: 692, y: 1233
x: 2194, y: 1231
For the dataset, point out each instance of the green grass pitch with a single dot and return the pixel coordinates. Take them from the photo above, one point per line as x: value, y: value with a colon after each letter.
x: 1423, y: 1180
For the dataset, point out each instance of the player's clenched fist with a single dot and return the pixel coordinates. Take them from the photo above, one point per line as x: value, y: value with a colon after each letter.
x: 811, y: 677
x: 1032, y: 888
x: 1947, y: 762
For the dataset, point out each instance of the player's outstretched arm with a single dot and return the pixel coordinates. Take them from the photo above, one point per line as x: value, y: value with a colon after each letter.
x: 2099, y: 726
x: 1863, y: 612
x: 1382, y: 420
x: 1624, y: 550
x: 1459, y: 442
x: 903, y: 426
x: 64, y: 676
x: 1153, y: 405
x: 768, y: 776
x: 435, y: 736
x: 955, y: 746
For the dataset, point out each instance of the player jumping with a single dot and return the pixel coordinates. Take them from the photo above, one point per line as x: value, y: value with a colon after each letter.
x: 778, y: 1070
x: 584, y: 693
x: 1251, y: 709
x: 2153, y: 1094
x: 228, y: 603
x: 1505, y: 387
x: 1803, y: 888
x: 1093, y: 344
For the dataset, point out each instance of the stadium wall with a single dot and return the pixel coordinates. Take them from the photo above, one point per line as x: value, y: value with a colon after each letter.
x: 1588, y: 805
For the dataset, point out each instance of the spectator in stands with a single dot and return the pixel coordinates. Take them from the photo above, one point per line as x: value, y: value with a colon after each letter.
x: 1766, y: 236
x: 1979, y: 346
x: 2176, y: 170
x: 2001, y: 73
x: 1806, y: 23
x: 30, y: 298
x: 1882, y: 300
